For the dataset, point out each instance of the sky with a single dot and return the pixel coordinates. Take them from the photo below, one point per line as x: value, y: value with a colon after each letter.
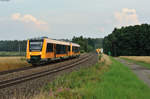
x: 63, y: 19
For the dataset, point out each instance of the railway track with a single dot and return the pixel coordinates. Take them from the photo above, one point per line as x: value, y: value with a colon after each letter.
x: 37, y: 69
x: 15, y: 81
x: 31, y: 67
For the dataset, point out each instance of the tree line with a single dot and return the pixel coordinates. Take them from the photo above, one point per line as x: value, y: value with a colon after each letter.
x: 128, y: 41
x: 13, y: 45
x: 87, y: 44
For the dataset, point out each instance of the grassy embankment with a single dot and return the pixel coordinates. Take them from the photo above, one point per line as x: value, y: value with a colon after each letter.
x: 105, y: 80
x: 9, y: 63
x: 140, y: 60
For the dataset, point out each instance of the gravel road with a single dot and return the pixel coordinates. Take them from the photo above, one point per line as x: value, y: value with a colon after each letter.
x: 142, y: 72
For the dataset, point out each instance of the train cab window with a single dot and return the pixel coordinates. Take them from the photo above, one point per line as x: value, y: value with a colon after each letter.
x: 35, y: 45
x: 49, y: 47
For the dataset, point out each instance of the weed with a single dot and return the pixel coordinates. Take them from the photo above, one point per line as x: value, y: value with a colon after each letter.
x: 101, y: 81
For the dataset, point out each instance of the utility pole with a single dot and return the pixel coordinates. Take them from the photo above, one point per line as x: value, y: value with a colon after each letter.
x: 19, y: 48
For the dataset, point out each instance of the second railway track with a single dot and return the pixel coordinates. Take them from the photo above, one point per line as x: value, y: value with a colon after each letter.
x: 14, y: 81
x: 27, y: 71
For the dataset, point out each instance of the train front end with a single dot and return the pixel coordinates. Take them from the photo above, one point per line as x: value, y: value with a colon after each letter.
x: 35, y: 51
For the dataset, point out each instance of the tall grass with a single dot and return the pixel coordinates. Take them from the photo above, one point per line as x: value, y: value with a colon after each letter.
x: 101, y: 81
x: 9, y: 63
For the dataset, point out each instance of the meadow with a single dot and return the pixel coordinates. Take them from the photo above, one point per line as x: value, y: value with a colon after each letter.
x: 108, y: 79
x: 140, y: 60
x: 4, y: 54
x: 9, y: 63
x: 145, y: 59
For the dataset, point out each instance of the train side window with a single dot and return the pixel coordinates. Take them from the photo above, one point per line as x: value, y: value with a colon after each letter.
x: 49, y: 47
x: 72, y: 48
x: 60, y: 49
x: 78, y: 49
x: 75, y: 49
x: 63, y: 49
x: 69, y: 48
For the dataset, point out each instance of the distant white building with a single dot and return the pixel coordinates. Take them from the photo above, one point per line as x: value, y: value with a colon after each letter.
x: 101, y: 50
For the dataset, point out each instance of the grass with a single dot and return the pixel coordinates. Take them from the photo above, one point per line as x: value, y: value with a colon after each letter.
x: 140, y: 60
x: 3, y: 54
x: 9, y: 63
x: 105, y: 80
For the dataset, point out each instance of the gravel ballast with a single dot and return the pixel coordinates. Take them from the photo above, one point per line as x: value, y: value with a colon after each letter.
x: 33, y: 87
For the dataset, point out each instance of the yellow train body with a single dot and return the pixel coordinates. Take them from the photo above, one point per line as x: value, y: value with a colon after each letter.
x: 45, y: 50
x: 98, y: 50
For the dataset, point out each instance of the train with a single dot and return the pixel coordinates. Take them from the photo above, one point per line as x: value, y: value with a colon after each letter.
x: 45, y: 50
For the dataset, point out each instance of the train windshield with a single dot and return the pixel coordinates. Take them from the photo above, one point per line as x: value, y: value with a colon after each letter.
x: 36, y: 45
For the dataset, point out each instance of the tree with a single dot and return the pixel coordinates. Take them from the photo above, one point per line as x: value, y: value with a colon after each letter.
x: 131, y: 40
x: 88, y: 44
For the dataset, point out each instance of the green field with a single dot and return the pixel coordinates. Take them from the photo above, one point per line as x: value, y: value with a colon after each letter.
x: 101, y: 81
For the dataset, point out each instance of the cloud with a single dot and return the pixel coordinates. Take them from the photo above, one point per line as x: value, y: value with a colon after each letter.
x: 101, y: 29
x: 27, y: 18
x: 126, y: 17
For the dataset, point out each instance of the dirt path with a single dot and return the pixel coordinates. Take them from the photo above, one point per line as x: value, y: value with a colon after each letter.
x: 142, y: 72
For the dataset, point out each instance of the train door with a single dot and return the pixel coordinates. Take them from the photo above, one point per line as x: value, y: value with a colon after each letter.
x: 67, y: 52
x: 55, y: 50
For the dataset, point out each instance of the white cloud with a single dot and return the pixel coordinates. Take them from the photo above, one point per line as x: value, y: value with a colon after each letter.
x: 102, y: 29
x: 27, y: 18
x: 126, y: 17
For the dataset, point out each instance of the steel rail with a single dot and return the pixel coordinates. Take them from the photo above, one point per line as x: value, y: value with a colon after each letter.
x: 14, y: 81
